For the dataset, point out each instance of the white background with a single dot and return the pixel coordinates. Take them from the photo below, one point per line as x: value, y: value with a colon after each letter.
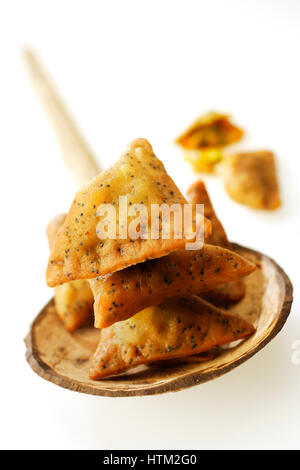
x: 132, y: 69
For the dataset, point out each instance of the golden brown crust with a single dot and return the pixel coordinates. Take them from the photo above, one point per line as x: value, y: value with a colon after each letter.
x: 231, y: 292
x: 79, y: 253
x: 250, y: 178
x: 176, y: 328
x: 52, y: 228
x: 122, y: 294
x: 226, y: 294
x: 73, y: 300
x: 197, y: 194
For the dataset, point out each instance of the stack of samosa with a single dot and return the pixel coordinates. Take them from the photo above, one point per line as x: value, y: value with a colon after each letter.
x: 148, y: 293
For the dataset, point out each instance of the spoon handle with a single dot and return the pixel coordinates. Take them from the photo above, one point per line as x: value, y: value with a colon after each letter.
x: 77, y: 156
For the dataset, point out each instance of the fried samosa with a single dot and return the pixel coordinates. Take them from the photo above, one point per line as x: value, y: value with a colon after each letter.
x: 79, y: 253
x: 204, y: 140
x: 210, y: 130
x: 176, y: 328
x: 197, y: 194
x: 231, y: 292
x: 250, y: 178
x: 122, y: 294
x: 73, y: 300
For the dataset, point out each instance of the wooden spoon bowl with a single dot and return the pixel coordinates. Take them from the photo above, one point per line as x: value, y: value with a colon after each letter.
x: 64, y: 358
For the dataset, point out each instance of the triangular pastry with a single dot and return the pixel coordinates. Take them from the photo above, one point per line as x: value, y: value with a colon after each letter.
x: 197, y: 194
x: 140, y: 179
x: 176, y: 328
x: 73, y: 300
x: 250, y: 178
x: 124, y: 293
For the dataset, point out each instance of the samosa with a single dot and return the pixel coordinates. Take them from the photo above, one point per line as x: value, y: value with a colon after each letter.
x: 231, y: 292
x: 73, y: 300
x: 139, y: 178
x: 197, y: 194
x: 174, y: 329
x: 250, y: 178
x: 122, y: 294
x: 210, y: 130
x: 204, y: 140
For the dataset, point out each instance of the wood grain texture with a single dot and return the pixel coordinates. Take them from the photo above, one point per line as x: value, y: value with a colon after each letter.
x: 64, y: 358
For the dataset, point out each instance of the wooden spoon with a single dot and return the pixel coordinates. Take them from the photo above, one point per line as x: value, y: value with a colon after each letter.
x: 77, y: 156
x: 64, y: 358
